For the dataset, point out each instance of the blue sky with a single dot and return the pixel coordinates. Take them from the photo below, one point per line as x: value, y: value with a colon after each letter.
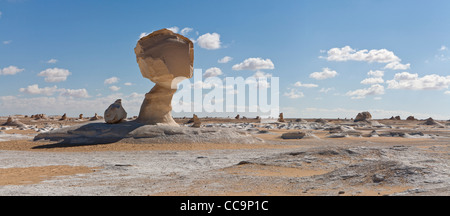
x: 58, y: 56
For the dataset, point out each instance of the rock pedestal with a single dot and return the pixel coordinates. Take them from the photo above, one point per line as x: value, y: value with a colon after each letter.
x: 165, y: 58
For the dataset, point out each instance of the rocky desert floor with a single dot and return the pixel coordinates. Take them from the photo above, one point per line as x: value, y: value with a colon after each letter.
x: 332, y: 157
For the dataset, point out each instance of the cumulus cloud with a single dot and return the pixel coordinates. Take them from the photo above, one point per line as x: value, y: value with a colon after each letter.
x: 260, y: 74
x: 372, y: 80
x: 306, y: 85
x: 294, y: 94
x: 376, y: 73
x: 443, y: 48
x: 111, y: 80
x: 397, y: 66
x: 174, y: 29
x: 212, y: 72
x: 376, y: 89
x: 114, y: 88
x: 225, y: 59
x: 77, y: 93
x: 11, y: 70
x: 325, y: 90
x: 55, y: 74
x: 325, y: 74
x: 7, y: 42
x: 410, y: 81
x: 209, y: 41
x: 128, y: 84
x: 52, y: 61
x: 347, y: 53
x: 186, y: 30
x: 447, y: 92
x: 48, y: 91
x: 254, y: 64
x: 34, y: 89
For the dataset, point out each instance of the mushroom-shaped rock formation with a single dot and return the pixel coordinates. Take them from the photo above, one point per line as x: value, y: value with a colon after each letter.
x: 115, y: 113
x: 166, y: 58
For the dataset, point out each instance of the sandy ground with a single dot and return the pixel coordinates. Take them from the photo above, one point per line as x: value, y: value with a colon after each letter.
x: 312, y: 166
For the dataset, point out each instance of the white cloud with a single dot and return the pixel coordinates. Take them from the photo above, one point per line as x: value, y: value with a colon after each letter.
x: 225, y: 59
x: 77, y: 93
x: 174, y: 29
x: 11, y: 70
x: 254, y: 64
x: 260, y: 74
x: 209, y: 41
x: 52, y: 61
x: 447, y: 92
x: 306, y: 85
x: 212, y: 72
x: 55, y: 74
x: 0, y: 14
x: 111, y: 80
x: 136, y: 95
x: 7, y: 42
x: 376, y: 73
x: 376, y: 89
x: 186, y: 30
x: 114, y: 88
x: 325, y: 74
x: 372, y: 80
x: 347, y: 53
x: 34, y: 89
x: 397, y: 66
x: 325, y: 90
x: 48, y: 91
x: 293, y: 94
x: 375, y: 55
x: 443, y: 48
x: 128, y: 84
x: 410, y: 81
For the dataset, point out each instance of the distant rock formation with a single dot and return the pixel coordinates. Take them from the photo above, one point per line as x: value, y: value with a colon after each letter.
x: 411, y: 118
x: 64, y: 117
x: 237, y: 117
x: 363, y: 116
x: 196, y: 121
x: 281, y: 118
x: 397, y: 118
x: 115, y: 113
x: 80, y: 116
x: 95, y: 117
x: 431, y: 121
x: 322, y: 121
x: 39, y: 116
x: 13, y: 122
x: 166, y: 58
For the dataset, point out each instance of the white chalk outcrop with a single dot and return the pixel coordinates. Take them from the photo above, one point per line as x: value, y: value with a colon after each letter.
x: 115, y: 113
x: 165, y: 58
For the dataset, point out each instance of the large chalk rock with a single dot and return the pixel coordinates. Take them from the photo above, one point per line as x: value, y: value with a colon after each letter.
x: 115, y: 113
x: 166, y: 58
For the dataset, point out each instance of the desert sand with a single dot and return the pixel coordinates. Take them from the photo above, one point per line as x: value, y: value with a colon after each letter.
x: 405, y: 158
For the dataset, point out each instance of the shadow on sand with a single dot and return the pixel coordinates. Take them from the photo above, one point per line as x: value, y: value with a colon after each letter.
x: 97, y: 133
